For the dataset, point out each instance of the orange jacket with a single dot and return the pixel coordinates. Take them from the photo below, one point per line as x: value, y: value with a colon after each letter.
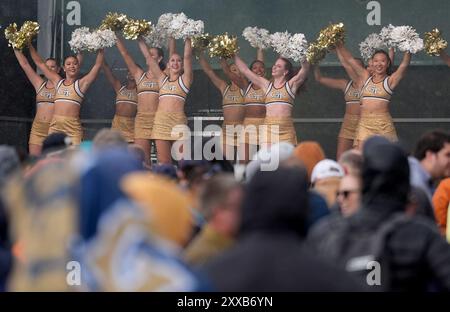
x: 441, y: 200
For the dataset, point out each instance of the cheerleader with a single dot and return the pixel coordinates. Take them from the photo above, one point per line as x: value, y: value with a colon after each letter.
x: 376, y: 93
x: 351, y: 91
x: 279, y: 98
x: 69, y: 93
x: 126, y: 103
x: 45, y: 96
x: 147, y: 95
x: 254, y: 103
x: 232, y: 105
x: 173, y: 90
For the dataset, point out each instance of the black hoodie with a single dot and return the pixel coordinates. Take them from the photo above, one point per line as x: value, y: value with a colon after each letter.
x: 418, y: 258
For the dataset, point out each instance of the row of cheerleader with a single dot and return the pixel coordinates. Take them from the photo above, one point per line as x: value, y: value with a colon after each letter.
x: 150, y: 104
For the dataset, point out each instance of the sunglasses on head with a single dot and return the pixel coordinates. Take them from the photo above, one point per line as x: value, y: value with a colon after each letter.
x: 345, y: 193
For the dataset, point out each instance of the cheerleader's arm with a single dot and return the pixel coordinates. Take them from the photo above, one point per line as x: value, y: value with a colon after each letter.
x: 355, y: 69
x: 172, y: 46
x: 260, y: 55
x: 188, y: 75
x: 37, y: 59
x: 219, y: 83
x: 261, y: 82
x: 397, y: 76
x: 110, y: 77
x: 237, y: 79
x: 31, y: 74
x: 131, y: 65
x: 89, y: 78
x: 300, y: 77
x: 153, y: 66
x: 333, y: 83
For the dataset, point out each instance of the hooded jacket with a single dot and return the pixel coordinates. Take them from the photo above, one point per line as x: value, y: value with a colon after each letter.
x: 418, y: 257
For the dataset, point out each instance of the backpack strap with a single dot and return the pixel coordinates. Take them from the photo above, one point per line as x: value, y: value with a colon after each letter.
x: 385, y: 230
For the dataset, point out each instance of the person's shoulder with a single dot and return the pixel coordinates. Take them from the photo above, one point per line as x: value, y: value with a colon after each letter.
x: 325, y: 226
x: 415, y: 228
x: 413, y: 162
x: 445, y: 184
x: 423, y: 223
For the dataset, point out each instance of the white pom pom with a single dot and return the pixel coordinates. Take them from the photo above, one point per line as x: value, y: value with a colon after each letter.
x: 82, y: 39
x: 297, y: 47
x: 176, y: 25
x: 165, y: 20
x: 404, y: 38
x: 372, y: 43
x: 251, y: 35
x: 106, y: 37
x: 257, y: 37
x: 157, y: 38
x: 79, y: 39
x: 191, y: 28
x: 291, y: 47
x: 385, y: 35
x: 279, y: 41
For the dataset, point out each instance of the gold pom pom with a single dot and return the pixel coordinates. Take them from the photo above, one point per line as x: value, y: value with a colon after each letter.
x: 330, y: 35
x: 11, y: 33
x: 326, y: 41
x: 114, y: 21
x: 223, y: 46
x: 28, y: 31
x: 434, y: 43
x: 315, y: 53
x: 135, y: 28
x: 30, y: 28
x: 201, y: 42
x: 19, y: 39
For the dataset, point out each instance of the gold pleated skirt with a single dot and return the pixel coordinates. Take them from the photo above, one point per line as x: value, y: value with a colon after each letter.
x: 349, y: 126
x: 39, y: 131
x: 69, y: 125
x: 169, y: 126
x: 125, y: 125
x: 143, y: 125
x: 279, y: 129
x: 376, y: 124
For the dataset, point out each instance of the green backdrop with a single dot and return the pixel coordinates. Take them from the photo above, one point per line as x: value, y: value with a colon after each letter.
x: 420, y: 101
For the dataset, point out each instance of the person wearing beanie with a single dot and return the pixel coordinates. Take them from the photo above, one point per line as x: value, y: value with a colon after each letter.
x: 310, y: 153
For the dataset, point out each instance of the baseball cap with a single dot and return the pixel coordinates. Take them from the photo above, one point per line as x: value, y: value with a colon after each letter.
x: 326, y: 168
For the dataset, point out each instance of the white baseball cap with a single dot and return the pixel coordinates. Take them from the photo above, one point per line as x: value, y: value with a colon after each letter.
x: 326, y: 168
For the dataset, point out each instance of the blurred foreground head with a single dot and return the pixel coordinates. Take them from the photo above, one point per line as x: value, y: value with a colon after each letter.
x: 276, y: 201
x: 109, y: 138
x: 385, y: 173
x: 9, y: 162
x: 167, y: 207
x: 55, y: 142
